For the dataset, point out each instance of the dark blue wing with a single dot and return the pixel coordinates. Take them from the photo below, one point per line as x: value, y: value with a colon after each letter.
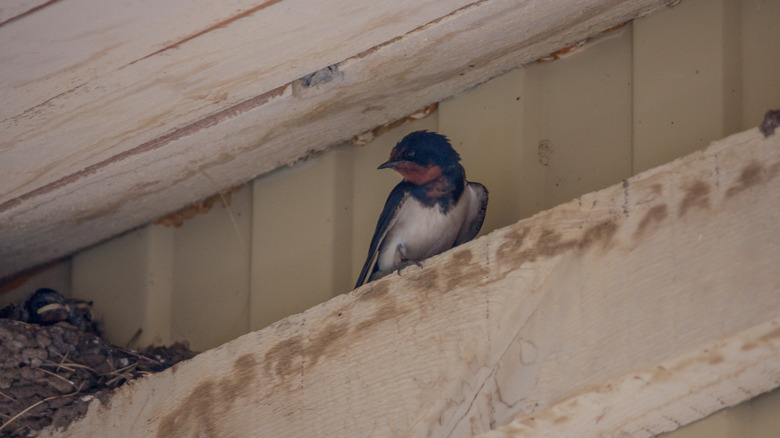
x: 393, y: 203
x: 475, y: 213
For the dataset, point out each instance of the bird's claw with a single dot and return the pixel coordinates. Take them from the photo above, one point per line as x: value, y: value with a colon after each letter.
x: 406, y: 263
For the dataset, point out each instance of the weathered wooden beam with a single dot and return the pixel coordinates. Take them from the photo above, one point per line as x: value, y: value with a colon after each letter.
x: 16, y: 9
x: 665, y: 396
x: 138, y: 132
x: 588, y: 315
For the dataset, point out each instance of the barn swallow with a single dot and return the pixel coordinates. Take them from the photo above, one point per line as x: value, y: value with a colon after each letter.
x: 432, y: 210
x: 47, y: 306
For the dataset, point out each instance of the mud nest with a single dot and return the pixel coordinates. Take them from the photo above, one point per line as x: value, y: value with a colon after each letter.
x: 49, y: 374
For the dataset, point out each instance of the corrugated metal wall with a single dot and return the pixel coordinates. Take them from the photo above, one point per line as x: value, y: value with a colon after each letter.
x: 646, y: 93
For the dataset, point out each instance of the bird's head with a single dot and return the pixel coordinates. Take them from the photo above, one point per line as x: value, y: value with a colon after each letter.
x: 46, y: 306
x: 421, y: 157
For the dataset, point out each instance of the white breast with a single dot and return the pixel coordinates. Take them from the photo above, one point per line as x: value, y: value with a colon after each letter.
x: 419, y: 232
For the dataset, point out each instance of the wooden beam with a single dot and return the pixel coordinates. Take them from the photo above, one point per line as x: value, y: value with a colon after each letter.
x: 628, y: 311
x: 666, y: 396
x: 15, y: 9
x: 129, y: 133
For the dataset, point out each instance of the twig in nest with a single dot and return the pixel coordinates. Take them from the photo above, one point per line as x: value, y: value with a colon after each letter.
x: 7, y: 396
x: 138, y: 355
x: 64, y: 358
x: 70, y: 366
x: 111, y: 382
x: 120, y: 374
x: 36, y: 404
x: 59, y: 377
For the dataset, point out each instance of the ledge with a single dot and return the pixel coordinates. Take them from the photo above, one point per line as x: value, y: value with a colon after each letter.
x: 629, y: 311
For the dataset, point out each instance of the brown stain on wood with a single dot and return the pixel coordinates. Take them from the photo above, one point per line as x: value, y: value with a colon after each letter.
x: 284, y: 358
x: 514, y: 240
x: 176, y: 219
x: 237, y: 384
x: 324, y: 340
x: 14, y: 281
x: 386, y: 307
x: 366, y: 137
x: 378, y: 290
x: 682, y: 364
x: 461, y: 271
x: 660, y: 375
x: 567, y: 50
x: 556, y: 55
x: 751, y: 175
x: 199, y: 414
x: 551, y: 243
x: 428, y: 279
x: 384, y: 313
x: 749, y: 345
x: 771, y: 336
x: 714, y: 358
x: 651, y: 219
x: 697, y: 195
x: 710, y: 356
x: 294, y: 356
x: 194, y: 413
x: 599, y: 233
x: 297, y: 354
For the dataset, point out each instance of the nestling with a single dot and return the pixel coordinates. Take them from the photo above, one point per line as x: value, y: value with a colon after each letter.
x: 432, y: 210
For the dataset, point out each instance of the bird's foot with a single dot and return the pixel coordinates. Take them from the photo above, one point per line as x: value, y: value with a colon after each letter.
x: 406, y: 263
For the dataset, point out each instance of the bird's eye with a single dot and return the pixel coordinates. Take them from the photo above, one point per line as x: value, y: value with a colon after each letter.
x: 409, y: 154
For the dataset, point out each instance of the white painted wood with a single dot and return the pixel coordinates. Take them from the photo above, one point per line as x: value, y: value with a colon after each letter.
x: 676, y: 260
x: 16, y: 9
x: 754, y: 418
x: 673, y: 393
x: 149, y: 96
x: 67, y: 44
x: 158, y: 133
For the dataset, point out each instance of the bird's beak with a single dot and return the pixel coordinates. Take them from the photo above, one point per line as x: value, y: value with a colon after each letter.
x: 389, y: 164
